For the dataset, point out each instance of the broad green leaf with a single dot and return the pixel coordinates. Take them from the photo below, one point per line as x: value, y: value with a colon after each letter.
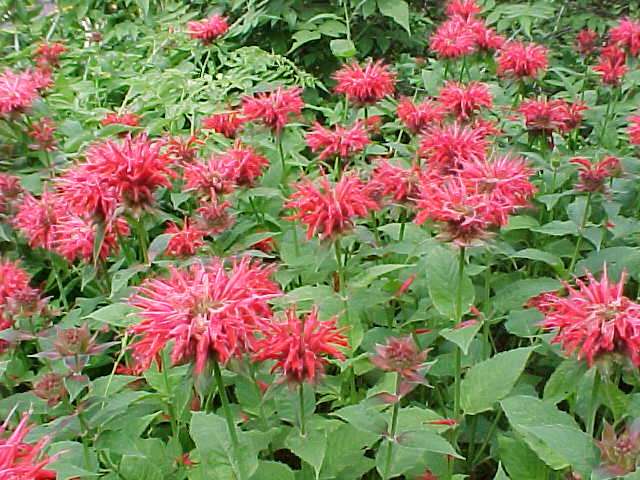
x: 116, y: 314
x: 402, y: 459
x: 540, y: 255
x: 365, y: 279
x: 500, y: 475
x: 273, y: 470
x: 428, y: 441
x: 564, y: 380
x: 442, y: 280
x: 524, y: 323
x: 363, y: 418
x: 135, y: 467
x: 492, y: 380
x: 343, y: 48
x: 158, y: 245
x: 462, y: 336
x: 396, y: 9
x: 557, y: 228
x: 311, y: 447
x: 519, y: 460
x: 516, y: 294
x: 303, y: 36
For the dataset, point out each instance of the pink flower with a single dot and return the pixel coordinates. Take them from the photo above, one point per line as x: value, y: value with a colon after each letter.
x: 75, y: 238
x: 21, y: 460
x: 182, y: 150
x: 209, y: 29
x: 273, y: 108
x: 127, y: 119
x: 517, y: 59
x: 185, y: 241
x: 447, y: 146
x: 204, y: 311
x: 612, y: 65
x: 453, y: 39
x: 547, y: 116
x: 619, y: 454
x: 394, y: 181
x: 86, y: 194
x: 10, y: 189
x: 486, y: 38
x: 17, y: 91
x: 343, y: 142
x: 417, y: 117
x: 328, y: 210
x: 592, y: 176
x: 462, y: 8
x: 48, y: 54
x: 36, y: 219
x: 299, y: 345
x: 245, y: 164
x: 227, y: 123
x: 594, y: 319
x: 401, y: 355
x: 42, y: 133
x: 210, y: 178
x: 586, y: 41
x: 13, y: 281
x: 213, y: 217
x: 464, y: 100
x: 627, y: 35
x: 634, y: 129
x: 365, y: 85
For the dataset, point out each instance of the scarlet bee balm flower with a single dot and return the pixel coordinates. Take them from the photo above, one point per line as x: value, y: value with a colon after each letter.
x: 340, y: 141
x: 454, y: 38
x: 521, y: 60
x: 417, y: 117
x: 21, y: 460
x: 464, y: 100
x: 273, y: 109
x: 366, y: 84
x: 209, y: 29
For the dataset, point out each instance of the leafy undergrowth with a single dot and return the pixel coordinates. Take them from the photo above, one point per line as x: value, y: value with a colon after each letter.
x: 341, y: 240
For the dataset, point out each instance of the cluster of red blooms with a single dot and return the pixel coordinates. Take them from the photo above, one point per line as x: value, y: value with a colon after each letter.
x: 225, y: 123
x: 416, y: 117
x: 340, y: 141
x: 273, y: 109
x: 17, y: 297
x: 365, y: 85
x: 127, y: 119
x: 548, y: 116
x: 592, y: 176
x: 401, y: 355
x: 209, y: 29
x: 47, y: 55
x: 19, y: 459
x: 521, y: 60
x: 42, y: 133
x: 634, y: 129
x: 594, y: 320
x: 619, y: 453
x: 10, y: 190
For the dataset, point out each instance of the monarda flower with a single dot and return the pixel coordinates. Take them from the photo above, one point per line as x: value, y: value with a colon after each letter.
x: 586, y: 41
x: 134, y: 168
x: 21, y: 460
x: 299, y: 346
x: 389, y: 180
x: 520, y: 60
x: 365, y: 85
x: 36, y: 219
x: 594, y: 320
x: 10, y: 189
x: 548, y: 116
x: 245, y: 164
x: 634, y: 129
x: 51, y: 388
x: 343, y: 142
x: 619, y: 453
x: 592, y: 176
x: 273, y: 109
x: 17, y: 91
x: 205, y: 311
x: 13, y: 280
x: 209, y: 29
x: 75, y: 238
x: 402, y: 356
x: 210, y: 178
x: 445, y: 147
x: 464, y: 100
x: 86, y: 194
x: 48, y: 54
x: 453, y: 39
x: 418, y: 116
x: 486, y: 38
x: 328, y: 210
x: 462, y: 8
x: 214, y: 217
x: 181, y: 150
x: 42, y: 133
x: 227, y: 123
x: 627, y: 35
x: 126, y: 119
x: 612, y: 65
x: 184, y: 241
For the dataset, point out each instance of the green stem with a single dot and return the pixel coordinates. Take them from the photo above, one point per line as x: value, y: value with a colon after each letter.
x: 142, y: 239
x: 487, y: 438
x: 56, y: 274
x: 225, y: 406
x: 458, y: 352
x: 392, y: 433
x: 301, y: 403
x: 583, y: 223
x: 282, y: 159
x: 167, y: 386
x: 593, y: 406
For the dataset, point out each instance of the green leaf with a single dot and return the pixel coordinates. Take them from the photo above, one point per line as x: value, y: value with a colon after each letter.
x: 136, y: 467
x: 311, y: 448
x: 273, y: 470
x: 523, y: 323
x: 303, y: 36
x: 519, y: 460
x: 396, y: 9
x: 159, y: 245
x: 557, y: 228
x: 442, y: 281
x: 539, y: 255
x: 428, y: 441
x: 363, y: 418
x: 116, y: 314
x: 144, y: 8
x: 343, y: 48
x: 403, y: 459
x: 564, y: 380
x: 516, y: 294
x: 492, y: 380
x: 365, y: 279
x: 462, y: 337
x: 120, y: 279
x: 500, y: 475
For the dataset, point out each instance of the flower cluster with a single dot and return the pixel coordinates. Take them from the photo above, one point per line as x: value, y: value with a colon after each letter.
x: 273, y: 109
x: 548, y: 116
x: 209, y: 29
x: 366, y: 84
x: 343, y: 142
x: 592, y: 176
x: 521, y: 60
x: 19, y: 459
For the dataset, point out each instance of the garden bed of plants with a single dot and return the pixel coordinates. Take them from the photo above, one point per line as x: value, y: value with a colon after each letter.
x: 333, y: 240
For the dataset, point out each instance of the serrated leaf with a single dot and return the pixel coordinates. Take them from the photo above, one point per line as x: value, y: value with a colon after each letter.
x: 396, y: 9
x: 442, y: 281
x: 311, y: 448
x: 363, y: 418
x: 462, y: 337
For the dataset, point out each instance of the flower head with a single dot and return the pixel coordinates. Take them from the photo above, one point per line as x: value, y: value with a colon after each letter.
x: 126, y: 119
x: 10, y: 189
x: 17, y: 91
x: 634, y: 129
x: 547, y: 116
x: 486, y: 38
x: 592, y: 176
x: 185, y: 241
x: 75, y: 237
x: 464, y: 100
x: 42, y: 133
x: 366, y: 84
x: 328, y: 210
x: 51, y: 388
x: 13, y: 280
x: 214, y: 217
x: 19, y: 459
x: 36, y: 218
x: 299, y: 345
x: 273, y: 108
x: 401, y: 355
x: 86, y: 194
x: 586, y: 41
x: 454, y: 38
x: 619, y: 453
x: 340, y: 141
x: 627, y: 35
x: 612, y: 65
x: 205, y: 311
x: 517, y: 59
x: 396, y: 182
x: 418, y: 116
x: 594, y: 319
x: 244, y: 163
x: 462, y: 8
x: 208, y: 29
x: 48, y: 54
x: 227, y: 123
x: 447, y: 146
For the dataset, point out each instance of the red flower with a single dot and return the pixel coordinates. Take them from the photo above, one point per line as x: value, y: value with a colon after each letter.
x: 86, y: 194
x: 447, y: 146
x: 245, y: 164
x: 366, y: 84
x: 547, y: 116
x: 394, y: 181
x: 417, y: 117
x: 182, y: 150
x: 19, y: 459
x: 463, y: 100
x: 586, y: 41
x: 453, y: 38
x: 627, y: 34
x: 427, y: 475
x: 41, y: 78
x: 10, y: 188
x: 127, y: 119
x: 592, y: 176
x: 17, y: 91
x: 401, y: 355
x: 634, y: 129
x: 299, y: 345
x: 42, y: 132
x: 595, y: 319
x: 273, y: 108
x: 328, y: 210
x: 204, y: 311
x: 13, y: 281
x: 209, y: 29
x: 486, y: 38
x: 521, y: 60
x: 185, y: 241
x: 36, y: 219
x: 210, y: 178
x: 50, y: 388
x: 48, y: 54
x: 619, y: 454
x: 213, y: 217
x: 227, y: 123
x: 75, y: 237
x: 612, y: 65
x: 341, y: 141
x: 134, y: 168
x: 462, y: 8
